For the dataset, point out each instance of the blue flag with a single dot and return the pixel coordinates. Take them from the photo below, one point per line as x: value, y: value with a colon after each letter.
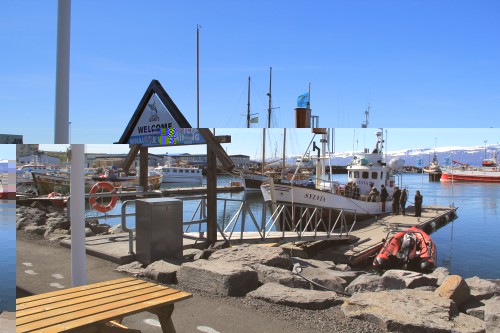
x: 303, y: 101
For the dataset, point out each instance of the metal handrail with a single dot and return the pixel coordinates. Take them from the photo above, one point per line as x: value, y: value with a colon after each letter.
x: 280, y: 218
x: 124, y: 227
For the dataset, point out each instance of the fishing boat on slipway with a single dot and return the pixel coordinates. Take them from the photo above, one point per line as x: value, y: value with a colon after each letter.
x: 365, y: 170
x: 60, y: 183
x: 488, y: 172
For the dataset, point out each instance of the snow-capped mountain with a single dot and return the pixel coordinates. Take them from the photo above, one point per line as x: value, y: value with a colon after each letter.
x: 422, y: 156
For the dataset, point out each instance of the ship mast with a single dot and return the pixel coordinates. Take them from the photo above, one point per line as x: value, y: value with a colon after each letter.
x: 269, y: 109
x: 248, y: 105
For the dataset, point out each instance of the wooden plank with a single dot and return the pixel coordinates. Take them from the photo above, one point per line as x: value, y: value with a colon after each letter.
x: 71, y: 290
x: 124, y: 309
x: 99, y: 312
x: 78, y: 304
x: 75, y: 292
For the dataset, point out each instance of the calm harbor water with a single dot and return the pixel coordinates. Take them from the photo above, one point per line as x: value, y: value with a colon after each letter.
x: 468, y: 246
x: 8, y: 255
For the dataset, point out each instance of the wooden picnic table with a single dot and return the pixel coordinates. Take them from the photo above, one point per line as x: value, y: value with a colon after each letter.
x: 97, y: 307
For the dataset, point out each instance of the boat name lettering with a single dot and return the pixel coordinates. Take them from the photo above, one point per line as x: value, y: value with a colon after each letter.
x: 315, y: 197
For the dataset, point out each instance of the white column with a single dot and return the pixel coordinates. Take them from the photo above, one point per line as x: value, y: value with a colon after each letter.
x: 61, y: 124
x: 77, y: 216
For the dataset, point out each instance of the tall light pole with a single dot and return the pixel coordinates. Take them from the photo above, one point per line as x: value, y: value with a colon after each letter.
x: 62, y: 72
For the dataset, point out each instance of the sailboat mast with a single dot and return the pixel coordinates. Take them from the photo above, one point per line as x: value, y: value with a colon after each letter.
x: 284, y: 148
x: 248, y: 108
x: 263, y: 149
x: 269, y: 110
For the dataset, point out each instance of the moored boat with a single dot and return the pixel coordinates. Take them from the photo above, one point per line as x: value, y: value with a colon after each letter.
x: 411, y: 249
x: 488, y: 172
x: 180, y: 174
x: 365, y: 171
x: 433, y: 169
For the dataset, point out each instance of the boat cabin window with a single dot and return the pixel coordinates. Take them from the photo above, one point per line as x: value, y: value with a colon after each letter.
x: 350, y: 174
x: 356, y: 174
x: 374, y: 175
x: 175, y: 170
x: 364, y: 174
x: 192, y: 171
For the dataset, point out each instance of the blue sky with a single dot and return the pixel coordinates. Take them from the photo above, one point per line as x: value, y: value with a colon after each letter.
x: 418, y: 63
x: 249, y: 141
x: 8, y: 152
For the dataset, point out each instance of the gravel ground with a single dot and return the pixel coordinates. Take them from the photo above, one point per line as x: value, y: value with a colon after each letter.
x: 328, y: 320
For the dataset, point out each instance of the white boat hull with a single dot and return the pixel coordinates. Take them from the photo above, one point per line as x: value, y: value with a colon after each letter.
x: 319, y: 198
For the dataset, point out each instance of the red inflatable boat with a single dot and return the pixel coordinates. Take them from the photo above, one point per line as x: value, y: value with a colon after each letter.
x: 411, y: 249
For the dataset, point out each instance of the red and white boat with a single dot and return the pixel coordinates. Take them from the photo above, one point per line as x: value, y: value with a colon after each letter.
x: 488, y: 172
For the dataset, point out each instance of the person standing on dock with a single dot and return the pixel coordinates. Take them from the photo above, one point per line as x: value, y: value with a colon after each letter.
x: 418, y: 204
x: 395, y: 201
x: 383, y: 196
x: 372, y: 196
x: 402, y: 201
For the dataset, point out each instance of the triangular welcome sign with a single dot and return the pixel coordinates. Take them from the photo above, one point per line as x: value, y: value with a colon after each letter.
x: 155, y: 111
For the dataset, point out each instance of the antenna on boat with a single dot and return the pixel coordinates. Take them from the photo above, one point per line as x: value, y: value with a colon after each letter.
x: 364, y: 124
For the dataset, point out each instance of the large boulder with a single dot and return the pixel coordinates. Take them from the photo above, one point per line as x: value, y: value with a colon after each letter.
x: 162, y: 271
x: 36, y: 216
x: 455, y: 288
x: 475, y: 307
x: 401, y: 279
x: 22, y: 222
x: 135, y: 268
x: 482, y: 289
x: 410, y: 311
x: 304, y: 262
x: 301, y: 298
x: 218, y: 277
x: 116, y: 229
x: 34, y: 229
x: 54, y: 223
x: 250, y: 255
x: 492, y: 315
x: 269, y: 274
x: 325, y: 278
x: 365, y: 282
x: 441, y: 273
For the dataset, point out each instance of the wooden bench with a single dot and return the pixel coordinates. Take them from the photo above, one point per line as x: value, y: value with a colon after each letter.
x: 97, y: 307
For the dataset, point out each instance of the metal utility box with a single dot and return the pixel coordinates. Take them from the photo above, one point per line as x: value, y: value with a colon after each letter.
x: 158, y: 229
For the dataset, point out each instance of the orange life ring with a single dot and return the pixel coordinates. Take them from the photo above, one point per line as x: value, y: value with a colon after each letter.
x: 93, y: 200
